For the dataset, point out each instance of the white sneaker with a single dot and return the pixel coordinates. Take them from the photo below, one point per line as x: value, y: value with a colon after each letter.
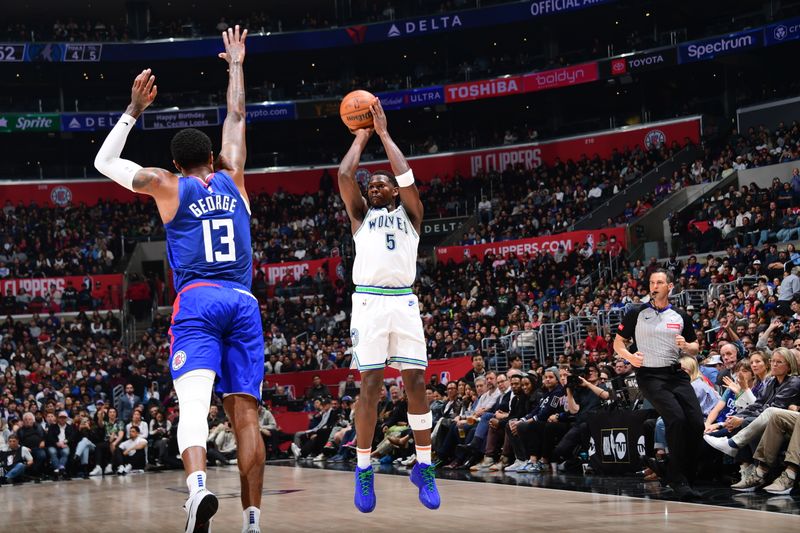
x: 319, y: 458
x: 200, y: 508
x: 128, y: 468
x: 109, y: 469
x: 295, y: 450
x: 516, y: 466
x: 137, y: 471
x: 721, y: 444
x: 121, y: 470
x: 750, y: 481
x: 97, y: 471
x: 410, y: 460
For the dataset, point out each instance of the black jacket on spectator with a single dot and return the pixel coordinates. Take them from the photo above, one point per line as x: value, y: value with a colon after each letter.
x: 519, y: 406
x: 773, y: 395
x: 399, y: 414
x: 550, y: 403
x: 503, y: 404
x: 51, y: 439
x: 31, y: 436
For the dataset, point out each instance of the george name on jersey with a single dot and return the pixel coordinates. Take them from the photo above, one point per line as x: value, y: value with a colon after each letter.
x: 388, y: 222
x: 217, y: 202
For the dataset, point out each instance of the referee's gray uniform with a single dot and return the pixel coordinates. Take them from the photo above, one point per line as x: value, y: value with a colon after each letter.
x: 665, y: 385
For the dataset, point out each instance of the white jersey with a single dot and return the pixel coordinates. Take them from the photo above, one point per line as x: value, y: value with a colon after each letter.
x: 386, y: 249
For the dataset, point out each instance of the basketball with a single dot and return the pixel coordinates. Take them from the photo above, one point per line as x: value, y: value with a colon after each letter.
x: 354, y: 109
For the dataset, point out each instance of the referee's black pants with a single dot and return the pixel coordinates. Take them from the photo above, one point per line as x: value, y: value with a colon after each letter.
x: 670, y: 391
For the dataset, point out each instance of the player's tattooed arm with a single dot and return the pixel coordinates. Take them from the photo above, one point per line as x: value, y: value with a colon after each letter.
x: 234, y: 147
x: 354, y: 201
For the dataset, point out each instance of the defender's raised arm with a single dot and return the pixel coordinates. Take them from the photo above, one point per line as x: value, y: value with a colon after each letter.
x: 234, y: 148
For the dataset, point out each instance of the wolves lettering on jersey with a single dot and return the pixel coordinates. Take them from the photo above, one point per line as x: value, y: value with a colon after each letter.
x: 387, y: 222
x: 209, y: 237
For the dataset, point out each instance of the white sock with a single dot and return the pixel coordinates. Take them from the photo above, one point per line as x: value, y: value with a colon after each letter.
x: 251, y: 516
x: 423, y: 454
x: 363, y: 457
x: 196, y: 481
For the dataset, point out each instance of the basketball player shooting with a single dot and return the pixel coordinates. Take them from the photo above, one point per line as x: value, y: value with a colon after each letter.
x: 386, y: 327
x: 216, y: 330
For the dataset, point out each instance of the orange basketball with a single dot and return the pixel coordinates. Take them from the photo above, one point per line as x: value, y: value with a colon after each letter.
x: 354, y: 109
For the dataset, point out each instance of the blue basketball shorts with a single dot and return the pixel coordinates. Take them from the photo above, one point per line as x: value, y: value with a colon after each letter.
x: 216, y: 326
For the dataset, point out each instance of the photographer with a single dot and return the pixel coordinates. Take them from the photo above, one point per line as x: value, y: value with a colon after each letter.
x: 585, y: 395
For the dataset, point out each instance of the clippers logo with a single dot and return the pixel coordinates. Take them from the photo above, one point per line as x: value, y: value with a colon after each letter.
x: 178, y: 360
x: 615, y: 445
x: 619, y: 66
x: 61, y: 196
x: 655, y: 139
x: 357, y: 34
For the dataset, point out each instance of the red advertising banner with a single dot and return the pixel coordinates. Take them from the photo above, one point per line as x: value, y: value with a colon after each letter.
x: 476, y: 90
x: 560, y: 77
x: 276, y: 272
x: 547, y: 243
x: 446, y: 369
x: 304, y: 180
x: 106, y: 287
x: 533, y: 82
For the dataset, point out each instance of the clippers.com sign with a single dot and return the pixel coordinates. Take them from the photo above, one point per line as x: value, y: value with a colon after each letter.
x: 509, y: 85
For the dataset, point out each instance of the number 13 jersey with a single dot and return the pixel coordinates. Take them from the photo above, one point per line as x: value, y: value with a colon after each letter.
x: 209, y: 238
x: 386, y: 249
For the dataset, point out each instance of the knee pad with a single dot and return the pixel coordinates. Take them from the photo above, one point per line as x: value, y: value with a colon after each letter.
x: 194, y: 397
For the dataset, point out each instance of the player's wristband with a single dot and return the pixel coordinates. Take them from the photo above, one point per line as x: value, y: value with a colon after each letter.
x: 406, y: 179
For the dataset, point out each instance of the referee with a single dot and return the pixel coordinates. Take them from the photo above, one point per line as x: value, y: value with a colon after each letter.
x: 660, y: 333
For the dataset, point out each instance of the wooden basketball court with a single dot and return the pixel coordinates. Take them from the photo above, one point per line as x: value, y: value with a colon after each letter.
x: 308, y: 499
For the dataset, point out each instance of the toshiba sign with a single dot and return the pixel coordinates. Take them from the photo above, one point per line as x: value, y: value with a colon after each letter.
x: 475, y: 90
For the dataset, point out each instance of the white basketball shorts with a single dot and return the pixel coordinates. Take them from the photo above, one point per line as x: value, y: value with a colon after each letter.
x: 386, y: 329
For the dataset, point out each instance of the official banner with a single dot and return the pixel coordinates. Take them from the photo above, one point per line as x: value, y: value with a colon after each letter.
x: 444, y: 165
x: 106, y: 287
x: 276, y: 272
x: 617, y: 441
x: 720, y: 46
x: 22, y: 122
x: 190, y: 118
x: 546, y: 244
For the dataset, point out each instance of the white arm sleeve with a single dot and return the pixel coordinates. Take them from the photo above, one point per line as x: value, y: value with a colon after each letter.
x: 108, y: 161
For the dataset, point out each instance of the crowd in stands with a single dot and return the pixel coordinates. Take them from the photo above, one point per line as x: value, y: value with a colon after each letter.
x: 749, y: 215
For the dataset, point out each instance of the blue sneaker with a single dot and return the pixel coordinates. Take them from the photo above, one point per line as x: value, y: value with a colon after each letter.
x: 424, y: 477
x: 365, y: 490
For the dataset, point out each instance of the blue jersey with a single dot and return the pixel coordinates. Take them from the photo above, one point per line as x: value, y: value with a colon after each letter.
x: 209, y: 238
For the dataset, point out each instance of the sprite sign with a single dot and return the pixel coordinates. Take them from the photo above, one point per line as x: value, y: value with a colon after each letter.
x: 16, y: 122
